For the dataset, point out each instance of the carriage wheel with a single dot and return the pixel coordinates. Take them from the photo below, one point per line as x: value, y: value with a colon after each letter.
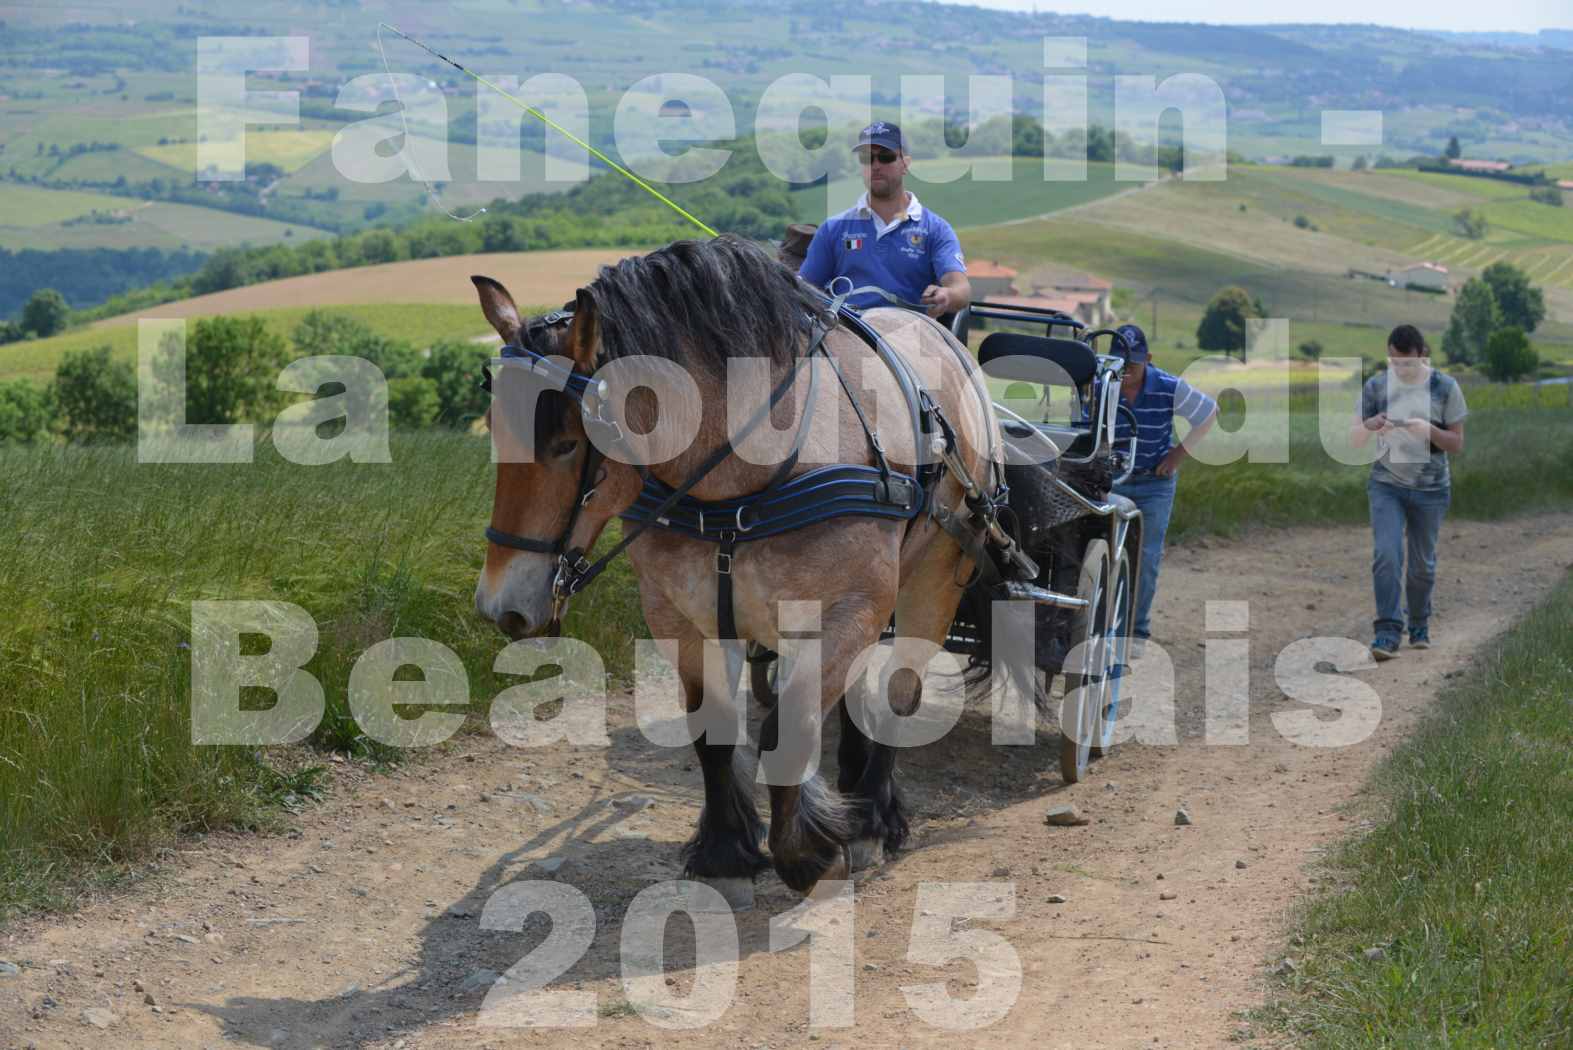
x: 1086, y: 678
x: 1116, y: 666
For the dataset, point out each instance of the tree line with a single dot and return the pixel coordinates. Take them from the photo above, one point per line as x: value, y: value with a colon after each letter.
x: 83, y: 275
x: 232, y: 367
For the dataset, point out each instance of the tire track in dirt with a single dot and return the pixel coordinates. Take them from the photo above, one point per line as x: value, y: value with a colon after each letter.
x: 359, y: 928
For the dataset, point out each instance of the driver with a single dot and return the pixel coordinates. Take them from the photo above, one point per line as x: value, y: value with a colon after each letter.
x: 887, y: 239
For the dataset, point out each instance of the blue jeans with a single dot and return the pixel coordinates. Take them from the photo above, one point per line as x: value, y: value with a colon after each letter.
x: 1398, y: 513
x: 1155, y: 497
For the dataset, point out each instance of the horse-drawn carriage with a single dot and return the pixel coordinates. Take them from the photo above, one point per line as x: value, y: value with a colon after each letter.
x: 1084, y: 541
x: 724, y: 543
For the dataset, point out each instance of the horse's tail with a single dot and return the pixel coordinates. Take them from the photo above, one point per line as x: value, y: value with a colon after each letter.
x: 1015, y: 645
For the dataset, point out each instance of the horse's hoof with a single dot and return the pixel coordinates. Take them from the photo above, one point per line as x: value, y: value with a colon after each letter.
x: 833, y: 882
x: 737, y: 893
x: 867, y: 853
x: 841, y: 870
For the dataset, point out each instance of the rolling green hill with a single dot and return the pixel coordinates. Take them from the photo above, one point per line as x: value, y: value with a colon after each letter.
x: 980, y: 198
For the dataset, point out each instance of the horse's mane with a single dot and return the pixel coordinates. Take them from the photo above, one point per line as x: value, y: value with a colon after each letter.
x: 702, y: 303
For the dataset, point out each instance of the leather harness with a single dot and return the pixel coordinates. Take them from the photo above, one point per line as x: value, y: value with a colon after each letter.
x: 784, y: 504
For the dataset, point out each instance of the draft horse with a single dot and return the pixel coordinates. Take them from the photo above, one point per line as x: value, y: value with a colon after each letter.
x: 868, y: 554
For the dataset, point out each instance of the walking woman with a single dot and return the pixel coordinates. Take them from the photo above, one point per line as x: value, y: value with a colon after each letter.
x: 1416, y: 416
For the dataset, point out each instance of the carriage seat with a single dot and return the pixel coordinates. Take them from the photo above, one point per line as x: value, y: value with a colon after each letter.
x: 1049, y: 361
x: 1038, y: 359
x: 1071, y: 440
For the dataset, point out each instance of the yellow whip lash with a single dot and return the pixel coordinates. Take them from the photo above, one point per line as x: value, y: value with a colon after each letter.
x: 538, y: 115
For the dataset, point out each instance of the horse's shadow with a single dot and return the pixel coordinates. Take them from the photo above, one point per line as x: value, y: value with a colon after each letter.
x: 453, y: 971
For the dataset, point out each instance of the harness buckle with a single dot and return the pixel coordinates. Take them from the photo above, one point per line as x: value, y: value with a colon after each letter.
x: 588, y: 494
x: 740, y: 526
x: 565, y: 583
x: 723, y: 564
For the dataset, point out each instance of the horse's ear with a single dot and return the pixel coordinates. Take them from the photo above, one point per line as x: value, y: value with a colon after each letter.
x: 584, y: 336
x: 499, y: 308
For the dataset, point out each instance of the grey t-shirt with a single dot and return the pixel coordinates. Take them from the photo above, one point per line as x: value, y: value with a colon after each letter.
x: 1401, y: 458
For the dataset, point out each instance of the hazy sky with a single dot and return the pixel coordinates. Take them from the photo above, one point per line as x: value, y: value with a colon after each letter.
x: 1524, y: 16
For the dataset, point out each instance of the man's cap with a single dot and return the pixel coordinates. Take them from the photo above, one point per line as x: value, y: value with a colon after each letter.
x: 1132, y: 344
x: 882, y: 133
x: 794, y: 246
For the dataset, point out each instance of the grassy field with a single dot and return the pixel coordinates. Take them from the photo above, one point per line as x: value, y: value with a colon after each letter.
x: 1461, y: 892
x: 153, y: 224
x: 288, y: 151
x: 978, y: 201
x: 1518, y: 442
x: 28, y: 206
x: 96, y: 764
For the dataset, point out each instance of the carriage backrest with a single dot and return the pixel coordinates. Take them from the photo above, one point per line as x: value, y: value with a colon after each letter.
x: 1038, y: 359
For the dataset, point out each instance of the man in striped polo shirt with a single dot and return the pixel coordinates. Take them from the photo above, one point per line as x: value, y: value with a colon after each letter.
x: 1155, y: 397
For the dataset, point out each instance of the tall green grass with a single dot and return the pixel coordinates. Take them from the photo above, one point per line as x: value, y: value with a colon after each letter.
x: 1463, y: 887
x: 1517, y: 451
x: 103, y: 559
x: 106, y: 555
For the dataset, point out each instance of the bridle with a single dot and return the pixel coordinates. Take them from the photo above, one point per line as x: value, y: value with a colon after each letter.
x: 590, y: 397
x: 574, y: 570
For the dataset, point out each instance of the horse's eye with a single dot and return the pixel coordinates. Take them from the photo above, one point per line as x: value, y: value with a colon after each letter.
x: 564, y: 448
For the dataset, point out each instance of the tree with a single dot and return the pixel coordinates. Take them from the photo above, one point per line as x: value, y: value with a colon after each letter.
x: 1521, y: 303
x: 455, y: 368
x: 1475, y: 317
x: 1509, y: 356
x: 1550, y: 195
x: 1311, y: 350
x: 1100, y: 144
x: 501, y: 234
x: 26, y: 412
x: 1468, y: 222
x: 232, y: 370
x: 45, y: 313
x: 412, y: 402
x: 1454, y: 150
x: 97, y: 397
x: 323, y: 332
x: 1223, y: 324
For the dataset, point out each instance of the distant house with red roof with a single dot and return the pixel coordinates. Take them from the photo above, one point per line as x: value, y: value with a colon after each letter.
x: 990, y: 279
x: 1072, y: 292
x: 1479, y: 165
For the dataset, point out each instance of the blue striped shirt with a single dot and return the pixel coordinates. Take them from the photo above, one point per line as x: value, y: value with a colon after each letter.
x: 1161, y: 398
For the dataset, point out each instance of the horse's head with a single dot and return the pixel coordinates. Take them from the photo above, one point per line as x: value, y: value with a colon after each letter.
x: 555, y: 492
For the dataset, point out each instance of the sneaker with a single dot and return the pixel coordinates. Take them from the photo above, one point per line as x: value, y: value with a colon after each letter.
x: 1135, y: 649
x: 1420, y: 639
x: 1385, y: 647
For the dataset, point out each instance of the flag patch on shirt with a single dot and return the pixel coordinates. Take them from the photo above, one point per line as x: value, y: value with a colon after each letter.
x: 852, y: 244
x: 915, y: 238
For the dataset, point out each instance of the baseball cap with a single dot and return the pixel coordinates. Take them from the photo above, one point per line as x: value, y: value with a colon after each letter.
x: 882, y: 133
x: 1132, y: 344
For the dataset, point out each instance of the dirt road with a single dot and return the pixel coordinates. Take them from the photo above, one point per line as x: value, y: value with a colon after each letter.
x: 361, y: 927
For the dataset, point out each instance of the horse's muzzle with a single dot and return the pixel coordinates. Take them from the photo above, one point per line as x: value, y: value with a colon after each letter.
x: 515, y: 626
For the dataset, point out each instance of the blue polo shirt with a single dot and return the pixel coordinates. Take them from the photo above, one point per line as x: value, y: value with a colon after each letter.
x: 1161, y: 398
x: 903, y: 258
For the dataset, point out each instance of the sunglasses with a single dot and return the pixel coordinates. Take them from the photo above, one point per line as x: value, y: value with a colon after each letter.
x: 884, y: 156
